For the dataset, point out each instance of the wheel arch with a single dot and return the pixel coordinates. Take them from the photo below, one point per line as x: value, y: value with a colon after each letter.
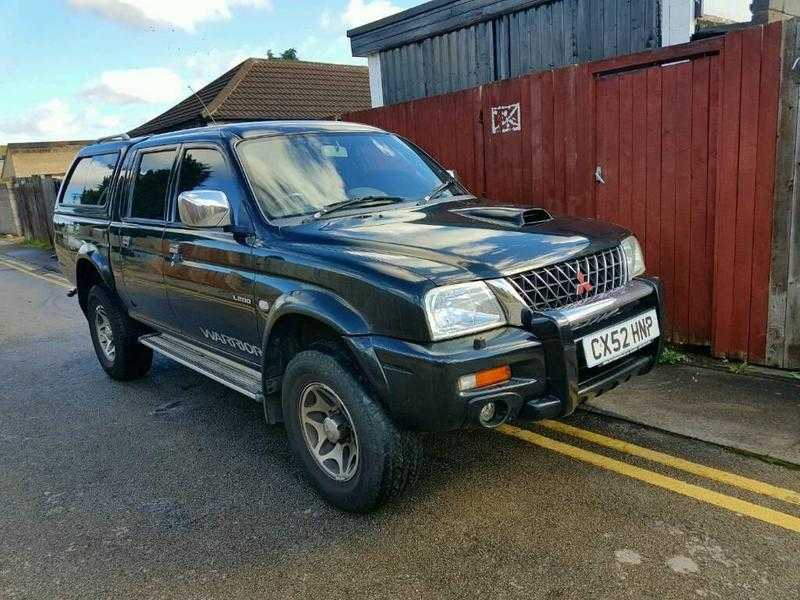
x: 302, y: 319
x: 91, y: 269
x: 318, y: 305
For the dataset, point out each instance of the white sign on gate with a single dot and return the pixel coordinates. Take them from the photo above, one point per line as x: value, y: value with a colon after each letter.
x: 506, y: 119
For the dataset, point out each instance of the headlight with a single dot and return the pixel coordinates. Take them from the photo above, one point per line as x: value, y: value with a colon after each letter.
x: 633, y: 256
x: 460, y: 309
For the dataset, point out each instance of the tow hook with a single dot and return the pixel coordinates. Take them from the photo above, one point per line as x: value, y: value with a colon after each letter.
x: 72, y: 292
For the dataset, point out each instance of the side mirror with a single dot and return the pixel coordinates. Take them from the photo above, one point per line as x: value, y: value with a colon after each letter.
x: 204, y: 208
x: 454, y: 174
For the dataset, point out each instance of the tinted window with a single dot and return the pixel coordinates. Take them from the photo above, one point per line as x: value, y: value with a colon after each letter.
x: 149, y: 197
x: 203, y: 169
x: 300, y: 174
x: 90, y: 181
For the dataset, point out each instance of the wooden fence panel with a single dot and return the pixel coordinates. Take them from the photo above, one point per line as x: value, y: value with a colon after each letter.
x: 35, y: 199
x: 701, y: 228
x: 750, y: 85
x: 745, y: 198
x: 507, y: 173
x: 684, y: 138
x: 783, y: 327
x: 765, y: 192
x: 8, y: 211
x: 652, y: 237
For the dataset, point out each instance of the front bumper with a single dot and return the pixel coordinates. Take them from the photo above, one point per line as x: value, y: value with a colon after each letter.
x: 418, y: 383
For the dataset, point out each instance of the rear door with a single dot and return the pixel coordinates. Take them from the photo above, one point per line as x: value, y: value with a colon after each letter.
x: 209, y: 275
x: 81, y: 215
x: 143, y: 250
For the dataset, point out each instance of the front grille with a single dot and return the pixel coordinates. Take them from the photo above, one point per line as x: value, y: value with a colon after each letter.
x: 569, y: 282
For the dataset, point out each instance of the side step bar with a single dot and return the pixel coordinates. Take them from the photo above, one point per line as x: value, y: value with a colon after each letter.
x: 243, y: 379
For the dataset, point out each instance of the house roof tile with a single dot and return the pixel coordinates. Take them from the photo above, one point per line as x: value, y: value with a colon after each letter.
x: 265, y: 89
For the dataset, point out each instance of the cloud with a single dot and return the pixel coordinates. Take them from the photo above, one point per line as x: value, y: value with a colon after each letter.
x: 326, y: 20
x: 359, y: 12
x: 178, y: 14
x: 328, y: 48
x: 96, y: 110
x: 57, y: 120
x: 336, y: 44
x: 202, y: 68
x: 134, y: 86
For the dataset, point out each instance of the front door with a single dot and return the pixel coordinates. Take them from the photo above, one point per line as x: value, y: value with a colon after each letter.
x: 141, y: 236
x: 209, y: 275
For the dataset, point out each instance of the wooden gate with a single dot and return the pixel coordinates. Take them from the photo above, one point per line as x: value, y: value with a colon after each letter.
x: 656, y: 175
x: 685, y: 140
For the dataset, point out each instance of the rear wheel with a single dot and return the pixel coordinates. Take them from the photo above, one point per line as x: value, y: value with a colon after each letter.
x: 354, y: 454
x: 115, y: 337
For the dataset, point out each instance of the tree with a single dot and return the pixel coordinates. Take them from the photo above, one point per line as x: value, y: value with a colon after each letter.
x: 288, y: 54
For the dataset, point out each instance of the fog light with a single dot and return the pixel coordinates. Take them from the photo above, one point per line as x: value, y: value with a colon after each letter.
x: 487, y: 413
x: 484, y: 378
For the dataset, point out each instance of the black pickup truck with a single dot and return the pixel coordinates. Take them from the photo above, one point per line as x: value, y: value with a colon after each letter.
x: 337, y: 274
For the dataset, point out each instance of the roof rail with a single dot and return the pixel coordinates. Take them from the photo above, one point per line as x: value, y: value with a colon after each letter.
x: 109, y: 138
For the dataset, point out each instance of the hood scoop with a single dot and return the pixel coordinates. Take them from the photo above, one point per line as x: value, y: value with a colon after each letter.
x: 507, y: 215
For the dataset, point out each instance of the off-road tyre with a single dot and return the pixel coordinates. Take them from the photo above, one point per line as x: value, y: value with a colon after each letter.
x: 131, y: 360
x: 389, y: 458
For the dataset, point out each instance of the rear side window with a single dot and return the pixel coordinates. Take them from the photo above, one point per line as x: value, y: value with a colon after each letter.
x: 90, y: 181
x: 149, y: 198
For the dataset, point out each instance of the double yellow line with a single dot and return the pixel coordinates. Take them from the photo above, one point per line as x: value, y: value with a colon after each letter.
x: 677, y: 486
x: 33, y: 272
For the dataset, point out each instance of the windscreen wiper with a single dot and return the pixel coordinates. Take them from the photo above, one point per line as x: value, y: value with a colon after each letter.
x: 440, y: 189
x: 361, y: 201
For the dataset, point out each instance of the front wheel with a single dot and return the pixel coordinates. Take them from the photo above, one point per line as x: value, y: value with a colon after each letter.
x: 354, y: 454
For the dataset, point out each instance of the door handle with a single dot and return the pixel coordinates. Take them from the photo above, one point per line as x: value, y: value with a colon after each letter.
x: 598, y: 174
x: 174, y: 255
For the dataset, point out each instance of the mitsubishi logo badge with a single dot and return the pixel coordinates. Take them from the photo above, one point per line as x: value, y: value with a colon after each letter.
x: 584, y: 287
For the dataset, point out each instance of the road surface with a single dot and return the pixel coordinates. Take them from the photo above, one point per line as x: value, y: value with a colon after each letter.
x: 173, y: 487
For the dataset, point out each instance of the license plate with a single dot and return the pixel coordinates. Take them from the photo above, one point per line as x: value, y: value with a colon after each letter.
x: 619, y: 340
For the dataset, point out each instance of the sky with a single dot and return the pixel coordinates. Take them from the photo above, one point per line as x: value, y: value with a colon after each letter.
x: 81, y: 69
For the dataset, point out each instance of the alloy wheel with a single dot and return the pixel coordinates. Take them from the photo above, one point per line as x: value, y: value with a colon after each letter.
x: 105, y: 335
x: 328, y: 431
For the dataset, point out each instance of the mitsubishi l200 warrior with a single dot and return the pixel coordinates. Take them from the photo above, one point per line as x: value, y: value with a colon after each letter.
x: 338, y: 275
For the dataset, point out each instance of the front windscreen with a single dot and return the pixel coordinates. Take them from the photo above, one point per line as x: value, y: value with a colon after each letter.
x: 294, y: 175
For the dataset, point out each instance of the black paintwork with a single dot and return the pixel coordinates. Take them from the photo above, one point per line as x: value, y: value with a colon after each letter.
x: 363, y: 273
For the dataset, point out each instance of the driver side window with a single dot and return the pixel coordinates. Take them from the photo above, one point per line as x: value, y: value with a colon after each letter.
x: 205, y: 169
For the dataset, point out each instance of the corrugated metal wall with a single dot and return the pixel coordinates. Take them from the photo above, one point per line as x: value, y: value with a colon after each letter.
x: 543, y: 36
